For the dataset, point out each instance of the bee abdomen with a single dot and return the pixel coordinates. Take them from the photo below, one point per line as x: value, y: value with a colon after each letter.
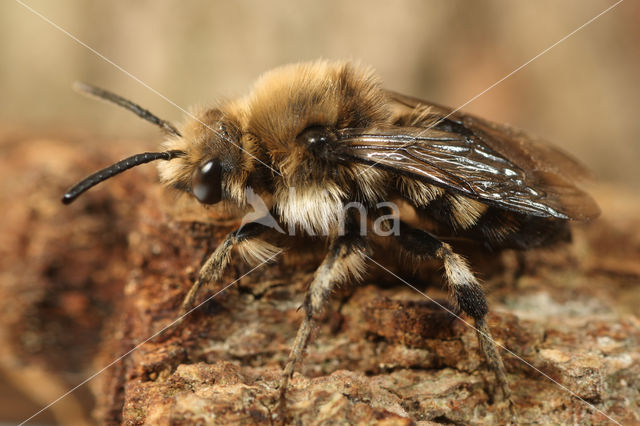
x: 493, y: 226
x: 500, y: 228
x: 455, y: 212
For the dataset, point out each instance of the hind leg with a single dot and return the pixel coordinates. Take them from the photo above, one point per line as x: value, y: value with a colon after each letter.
x: 465, y: 288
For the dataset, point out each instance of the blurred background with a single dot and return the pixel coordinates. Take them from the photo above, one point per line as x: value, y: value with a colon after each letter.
x: 584, y: 94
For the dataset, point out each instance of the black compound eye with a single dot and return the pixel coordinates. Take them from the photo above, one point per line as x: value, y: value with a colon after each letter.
x: 206, y: 183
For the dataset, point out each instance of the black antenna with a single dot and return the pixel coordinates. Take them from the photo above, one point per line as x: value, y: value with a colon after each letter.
x: 116, y: 168
x: 87, y: 89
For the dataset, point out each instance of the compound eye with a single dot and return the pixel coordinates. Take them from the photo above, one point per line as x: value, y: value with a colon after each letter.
x: 206, y: 183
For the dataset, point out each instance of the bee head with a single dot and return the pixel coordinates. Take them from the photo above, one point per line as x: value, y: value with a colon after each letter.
x: 215, y: 165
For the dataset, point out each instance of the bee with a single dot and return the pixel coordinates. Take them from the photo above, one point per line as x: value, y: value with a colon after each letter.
x: 313, y: 137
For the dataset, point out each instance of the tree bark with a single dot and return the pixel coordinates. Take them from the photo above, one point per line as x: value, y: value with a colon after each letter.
x: 101, y: 277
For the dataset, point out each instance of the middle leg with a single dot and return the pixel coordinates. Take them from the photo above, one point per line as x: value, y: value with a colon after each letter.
x: 345, y: 259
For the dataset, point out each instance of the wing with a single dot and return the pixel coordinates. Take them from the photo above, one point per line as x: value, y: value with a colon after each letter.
x: 492, y: 163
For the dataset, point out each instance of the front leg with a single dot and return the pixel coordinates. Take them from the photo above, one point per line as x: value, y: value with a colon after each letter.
x: 246, y: 239
x: 346, y: 257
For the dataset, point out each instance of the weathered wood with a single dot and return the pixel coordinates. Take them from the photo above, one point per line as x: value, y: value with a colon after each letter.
x: 110, y: 271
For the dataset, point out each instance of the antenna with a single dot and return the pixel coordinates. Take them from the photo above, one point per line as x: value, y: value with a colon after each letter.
x: 87, y: 89
x: 114, y: 169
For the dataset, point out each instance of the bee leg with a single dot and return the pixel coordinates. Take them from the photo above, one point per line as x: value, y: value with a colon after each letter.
x: 214, y: 266
x: 464, y: 286
x: 346, y: 257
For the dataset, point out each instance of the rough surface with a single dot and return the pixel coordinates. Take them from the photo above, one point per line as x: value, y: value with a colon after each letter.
x: 85, y: 284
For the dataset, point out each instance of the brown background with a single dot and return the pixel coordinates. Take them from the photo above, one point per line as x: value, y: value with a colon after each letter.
x: 584, y: 94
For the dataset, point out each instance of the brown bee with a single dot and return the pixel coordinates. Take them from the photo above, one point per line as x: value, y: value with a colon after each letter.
x: 315, y: 137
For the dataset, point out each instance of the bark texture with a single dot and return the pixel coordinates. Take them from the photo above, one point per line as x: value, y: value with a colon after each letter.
x: 85, y: 284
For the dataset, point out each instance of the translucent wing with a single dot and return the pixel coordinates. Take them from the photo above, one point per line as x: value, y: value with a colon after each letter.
x: 485, y: 161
